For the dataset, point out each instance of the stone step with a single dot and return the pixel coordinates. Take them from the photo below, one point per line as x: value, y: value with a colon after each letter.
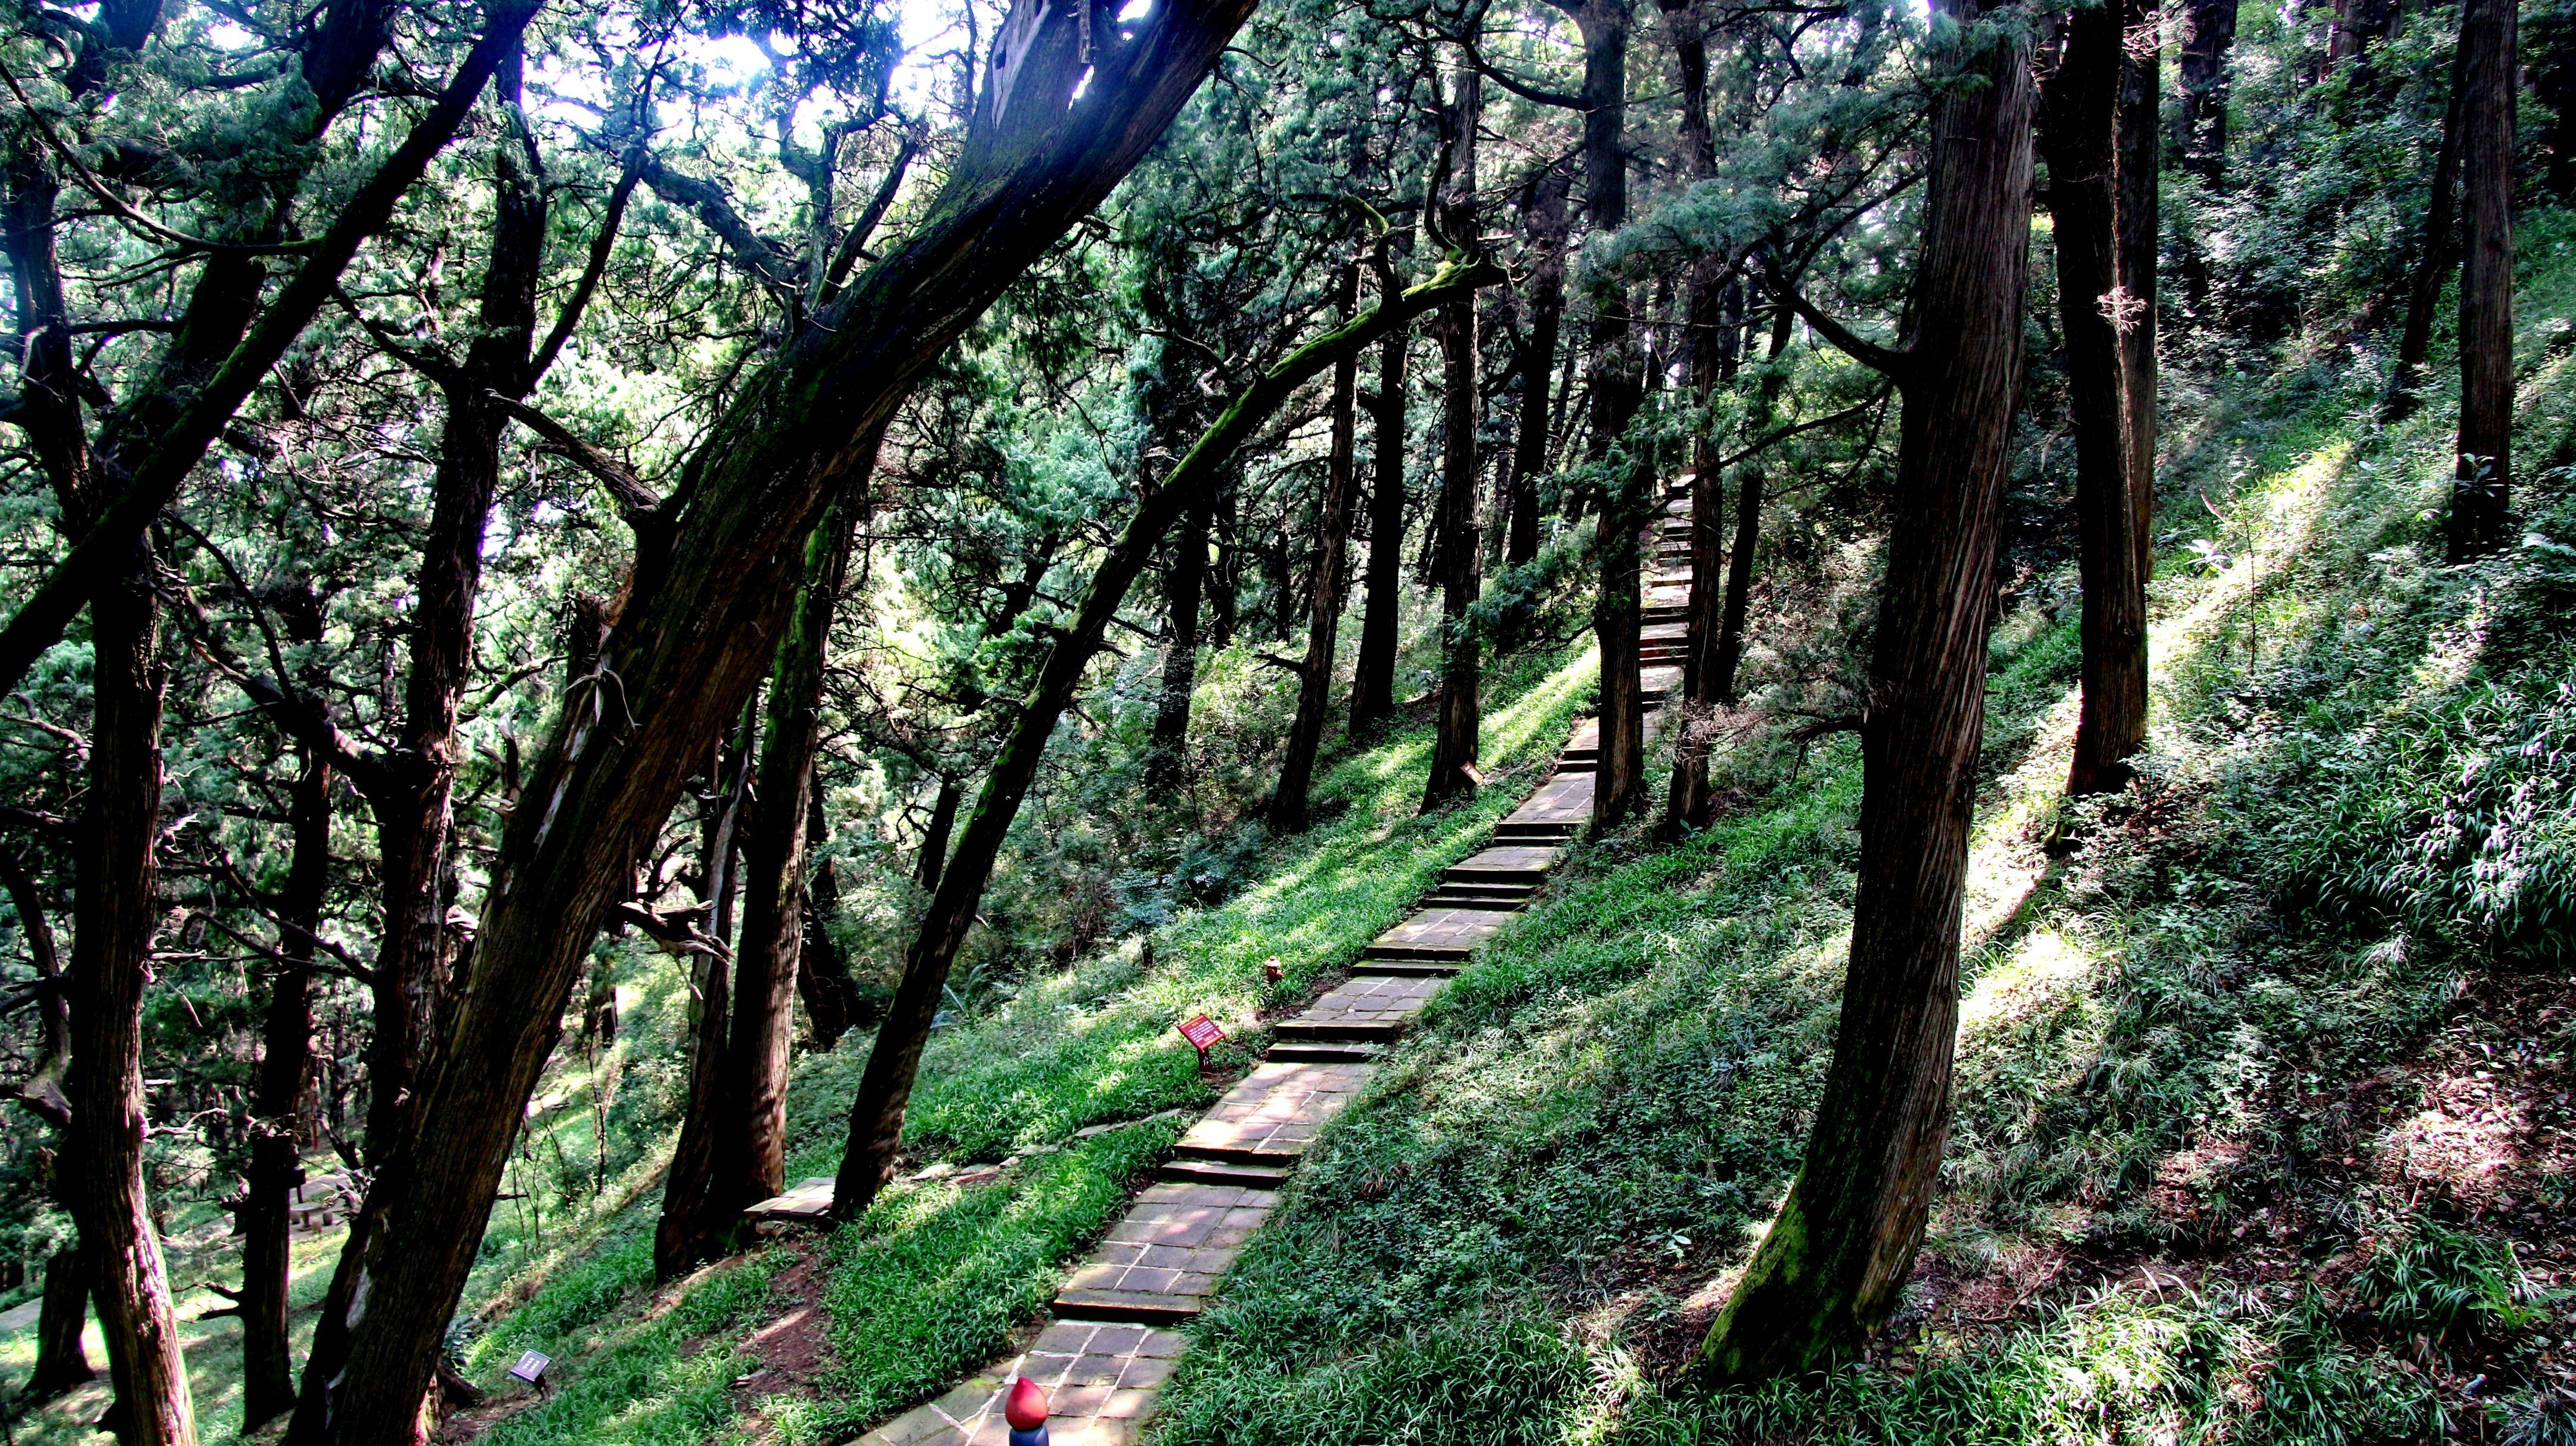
x: 1491, y: 903
x: 1164, y: 1257
x: 1503, y: 866
x: 1501, y: 891
x: 1415, y: 954
x: 1340, y: 1031
x: 1582, y: 765
x: 1409, y: 968
x: 1536, y: 832
x: 1217, y: 1172
x: 1314, y: 1052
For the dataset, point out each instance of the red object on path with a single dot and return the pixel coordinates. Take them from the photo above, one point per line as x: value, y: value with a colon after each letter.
x: 1026, y: 1406
x: 1201, y: 1032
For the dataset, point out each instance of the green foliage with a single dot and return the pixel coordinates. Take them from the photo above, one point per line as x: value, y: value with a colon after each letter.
x: 2433, y: 1280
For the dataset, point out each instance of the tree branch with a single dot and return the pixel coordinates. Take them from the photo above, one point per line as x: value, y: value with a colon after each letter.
x: 640, y: 505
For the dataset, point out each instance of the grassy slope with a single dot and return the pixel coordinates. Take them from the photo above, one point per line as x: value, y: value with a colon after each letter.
x: 934, y: 1282
x: 2189, y: 1194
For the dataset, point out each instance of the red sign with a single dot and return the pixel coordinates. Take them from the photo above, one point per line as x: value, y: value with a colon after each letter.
x: 1201, y: 1032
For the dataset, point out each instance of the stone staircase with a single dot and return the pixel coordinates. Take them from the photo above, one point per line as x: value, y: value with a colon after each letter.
x: 1110, y: 1345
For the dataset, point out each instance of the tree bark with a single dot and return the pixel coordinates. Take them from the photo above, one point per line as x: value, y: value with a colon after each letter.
x: 1729, y: 655
x: 2081, y: 128
x: 1167, y: 751
x: 1617, y: 390
x: 2482, y: 492
x: 62, y: 1362
x: 1834, y: 1262
x: 1288, y: 802
x: 1711, y: 341
x: 1454, y: 743
x: 1373, y: 683
x: 885, y: 1090
x: 690, y: 1230
x: 2435, y: 259
x: 285, y: 1069
x: 1547, y: 228
x: 2199, y: 140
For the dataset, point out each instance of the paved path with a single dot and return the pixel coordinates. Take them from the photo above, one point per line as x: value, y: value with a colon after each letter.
x: 1106, y: 1352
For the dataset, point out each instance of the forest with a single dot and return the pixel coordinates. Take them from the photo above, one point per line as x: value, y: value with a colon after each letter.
x: 1271, y: 722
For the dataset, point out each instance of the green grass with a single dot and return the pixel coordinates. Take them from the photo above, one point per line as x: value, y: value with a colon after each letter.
x: 932, y: 1283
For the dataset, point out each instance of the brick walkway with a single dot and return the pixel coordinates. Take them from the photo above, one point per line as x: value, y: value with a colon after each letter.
x: 1105, y: 1354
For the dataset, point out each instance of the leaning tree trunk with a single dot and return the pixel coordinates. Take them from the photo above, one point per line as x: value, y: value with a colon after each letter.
x: 751, y: 1110
x: 62, y: 1361
x: 2435, y: 258
x: 285, y: 1068
x: 1288, y: 804
x: 1833, y: 1263
x: 2482, y: 491
x: 2080, y: 127
x: 1454, y: 743
x: 709, y: 592
x: 885, y: 1090
x: 116, y: 912
x: 1373, y: 681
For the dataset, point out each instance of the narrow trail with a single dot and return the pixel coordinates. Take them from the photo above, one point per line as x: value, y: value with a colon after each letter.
x: 1109, y: 1342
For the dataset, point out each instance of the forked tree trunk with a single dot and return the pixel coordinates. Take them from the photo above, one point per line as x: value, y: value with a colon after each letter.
x: 2081, y: 125
x: 710, y: 590
x: 285, y: 1068
x: 1373, y: 680
x: 1836, y: 1258
x: 1454, y: 743
x: 1729, y: 656
x: 885, y: 1090
x: 2435, y: 259
x: 1288, y: 803
x: 2481, y: 493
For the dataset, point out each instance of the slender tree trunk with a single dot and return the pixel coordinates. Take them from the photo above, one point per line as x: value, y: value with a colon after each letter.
x: 1454, y: 745
x: 1711, y: 341
x: 832, y: 1001
x: 686, y: 1233
x: 2482, y: 494
x: 277, y: 1125
x: 1332, y: 570
x: 1617, y: 391
x: 1729, y: 655
x: 1547, y: 227
x: 1167, y: 754
x: 1834, y: 1262
x: 710, y: 589
x: 1373, y: 684
x: 2081, y: 124
x: 2435, y: 260
x: 751, y: 1143
x: 62, y: 1362
x: 932, y: 859
x: 116, y: 912
x: 885, y: 1090
x: 2140, y: 203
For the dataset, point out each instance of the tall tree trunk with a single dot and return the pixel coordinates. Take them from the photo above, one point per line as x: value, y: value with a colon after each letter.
x: 1454, y: 744
x: 1728, y: 658
x: 833, y: 1004
x: 116, y: 912
x: 2081, y: 124
x: 710, y: 589
x: 2140, y: 204
x: 1835, y: 1260
x: 2199, y: 140
x: 1373, y: 683
x: 1711, y: 341
x: 932, y: 859
x: 285, y: 1069
x: 1617, y: 390
x: 1332, y: 571
x: 2481, y: 495
x: 885, y: 1090
x: 751, y: 1140
x: 61, y: 1360
x: 1547, y: 228
x: 685, y: 1235
x: 1167, y: 753
x: 2435, y: 258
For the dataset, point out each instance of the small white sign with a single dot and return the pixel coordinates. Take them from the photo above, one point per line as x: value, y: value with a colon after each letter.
x: 532, y: 1364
